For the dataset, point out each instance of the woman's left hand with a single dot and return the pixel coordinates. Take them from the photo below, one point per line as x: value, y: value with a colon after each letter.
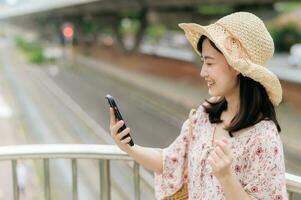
x: 221, y: 158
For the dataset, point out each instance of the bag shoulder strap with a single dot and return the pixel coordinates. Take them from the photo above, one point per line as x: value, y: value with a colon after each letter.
x: 191, y: 113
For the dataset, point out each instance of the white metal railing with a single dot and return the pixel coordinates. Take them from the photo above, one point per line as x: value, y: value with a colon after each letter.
x: 293, y: 184
x: 104, y: 153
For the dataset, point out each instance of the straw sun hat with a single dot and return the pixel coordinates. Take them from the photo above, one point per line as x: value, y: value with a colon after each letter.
x: 246, y: 44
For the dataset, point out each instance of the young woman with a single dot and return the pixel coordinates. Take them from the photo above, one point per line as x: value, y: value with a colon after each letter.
x: 235, y: 151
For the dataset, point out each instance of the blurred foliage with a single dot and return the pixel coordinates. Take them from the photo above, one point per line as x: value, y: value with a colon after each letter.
x: 155, y: 31
x: 129, y: 26
x: 33, y: 50
x: 286, y: 6
x: 129, y: 21
x: 214, y: 10
x: 106, y: 30
x: 90, y: 27
x: 285, y: 36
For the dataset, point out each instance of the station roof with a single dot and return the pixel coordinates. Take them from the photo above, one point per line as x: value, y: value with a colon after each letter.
x: 96, y: 6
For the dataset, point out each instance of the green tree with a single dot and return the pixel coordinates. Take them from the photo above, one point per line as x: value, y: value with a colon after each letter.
x: 285, y: 36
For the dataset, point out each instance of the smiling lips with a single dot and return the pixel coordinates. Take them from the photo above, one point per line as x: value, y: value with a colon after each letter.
x: 210, y: 83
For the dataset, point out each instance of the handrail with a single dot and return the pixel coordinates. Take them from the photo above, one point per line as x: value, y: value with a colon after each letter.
x: 104, y: 153
x: 293, y: 183
x: 36, y: 151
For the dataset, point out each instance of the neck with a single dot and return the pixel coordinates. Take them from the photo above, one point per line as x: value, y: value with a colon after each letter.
x: 233, y: 103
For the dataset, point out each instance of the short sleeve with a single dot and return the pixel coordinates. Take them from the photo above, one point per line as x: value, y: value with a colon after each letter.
x: 265, y: 169
x: 173, y: 175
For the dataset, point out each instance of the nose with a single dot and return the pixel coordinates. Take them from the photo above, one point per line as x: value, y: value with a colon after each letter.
x: 204, y: 72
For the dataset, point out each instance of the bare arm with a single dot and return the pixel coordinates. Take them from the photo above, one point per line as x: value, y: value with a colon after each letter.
x: 150, y: 158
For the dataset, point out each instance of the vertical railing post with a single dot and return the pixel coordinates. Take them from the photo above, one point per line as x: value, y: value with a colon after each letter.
x: 46, y: 179
x: 105, y: 185
x: 15, y: 180
x: 290, y: 195
x: 136, y: 181
x: 74, y: 180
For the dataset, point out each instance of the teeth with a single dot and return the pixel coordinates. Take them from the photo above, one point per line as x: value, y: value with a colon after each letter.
x: 210, y: 84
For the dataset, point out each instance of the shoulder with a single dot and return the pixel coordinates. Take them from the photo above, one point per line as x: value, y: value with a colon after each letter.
x: 265, y: 136
x: 200, y: 114
x: 266, y: 129
x: 197, y: 116
x: 265, y: 149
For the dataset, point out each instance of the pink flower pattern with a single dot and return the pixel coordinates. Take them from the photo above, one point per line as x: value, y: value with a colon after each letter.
x: 258, y: 162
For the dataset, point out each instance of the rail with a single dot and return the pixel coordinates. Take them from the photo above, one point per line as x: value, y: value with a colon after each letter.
x: 103, y: 153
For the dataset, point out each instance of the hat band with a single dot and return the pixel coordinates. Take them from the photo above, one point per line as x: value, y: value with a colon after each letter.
x: 233, y: 45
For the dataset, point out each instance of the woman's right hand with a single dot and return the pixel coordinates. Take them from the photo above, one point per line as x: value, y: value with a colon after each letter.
x: 114, y: 127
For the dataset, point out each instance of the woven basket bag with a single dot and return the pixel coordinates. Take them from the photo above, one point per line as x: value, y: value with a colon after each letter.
x: 182, y: 193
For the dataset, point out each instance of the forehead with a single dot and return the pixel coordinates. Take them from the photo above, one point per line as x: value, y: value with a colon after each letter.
x: 208, y: 51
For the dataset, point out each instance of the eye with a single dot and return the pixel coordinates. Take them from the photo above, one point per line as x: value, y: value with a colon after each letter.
x: 208, y: 64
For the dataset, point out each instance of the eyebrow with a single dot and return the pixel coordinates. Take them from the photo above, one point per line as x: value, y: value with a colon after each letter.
x: 208, y: 57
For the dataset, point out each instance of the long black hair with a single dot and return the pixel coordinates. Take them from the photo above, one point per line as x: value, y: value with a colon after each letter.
x: 255, y: 104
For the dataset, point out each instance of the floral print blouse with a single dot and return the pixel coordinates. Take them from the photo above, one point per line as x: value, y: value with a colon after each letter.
x: 258, y: 162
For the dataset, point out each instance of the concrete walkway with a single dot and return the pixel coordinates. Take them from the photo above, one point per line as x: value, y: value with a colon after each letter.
x: 13, y: 132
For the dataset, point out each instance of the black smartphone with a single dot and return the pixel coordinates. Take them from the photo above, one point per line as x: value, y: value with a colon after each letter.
x: 118, y: 116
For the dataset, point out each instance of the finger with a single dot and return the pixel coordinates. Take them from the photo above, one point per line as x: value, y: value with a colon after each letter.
x: 212, y: 162
x: 224, y: 147
x: 220, y: 153
x: 126, y: 140
x: 215, y: 157
x: 227, y: 142
x: 123, y: 133
x: 117, y: 126
x: 227, y: 149
x: 112, y: 117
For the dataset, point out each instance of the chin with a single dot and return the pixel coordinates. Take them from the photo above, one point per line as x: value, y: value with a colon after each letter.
x: 213, y: 93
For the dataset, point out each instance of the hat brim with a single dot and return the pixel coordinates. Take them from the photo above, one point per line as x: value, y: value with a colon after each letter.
x: 218, y: 35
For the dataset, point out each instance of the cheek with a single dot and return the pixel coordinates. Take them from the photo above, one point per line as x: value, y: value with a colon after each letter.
x: 214, y: 73
x: 217, y: 75
x: 223, y: 74
x: 224, y: 78
x: 227, y: 83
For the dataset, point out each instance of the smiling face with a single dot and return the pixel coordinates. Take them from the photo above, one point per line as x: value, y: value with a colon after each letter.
x: 221, y: 78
